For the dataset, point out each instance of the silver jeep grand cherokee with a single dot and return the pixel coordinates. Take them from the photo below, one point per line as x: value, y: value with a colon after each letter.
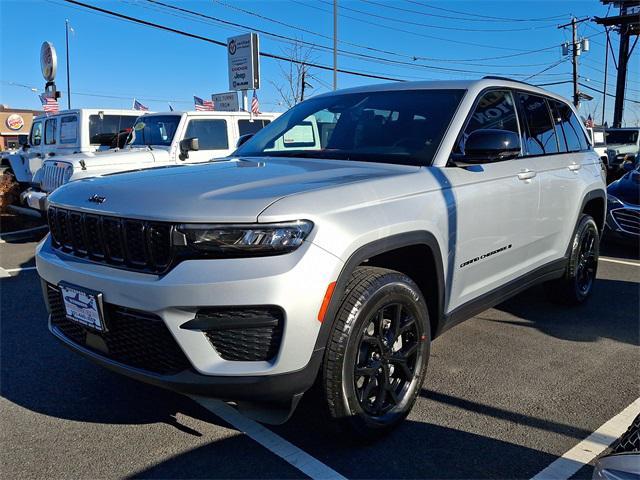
x: 332, y: 247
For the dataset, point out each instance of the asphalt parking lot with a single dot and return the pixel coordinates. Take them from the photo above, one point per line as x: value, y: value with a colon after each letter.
x: 507, y: 393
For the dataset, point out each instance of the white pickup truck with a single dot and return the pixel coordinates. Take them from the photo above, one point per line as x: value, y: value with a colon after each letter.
x: 157, y: 139
x: 82, y: 131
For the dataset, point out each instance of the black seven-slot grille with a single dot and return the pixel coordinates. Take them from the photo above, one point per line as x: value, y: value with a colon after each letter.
x: 257, y: 342
x: 134, y: 338
x: 125, y: 243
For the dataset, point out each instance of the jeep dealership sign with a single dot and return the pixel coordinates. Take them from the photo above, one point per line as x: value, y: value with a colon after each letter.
x: 243, y: 60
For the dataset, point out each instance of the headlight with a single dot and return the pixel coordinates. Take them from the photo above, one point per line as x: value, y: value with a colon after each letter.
x: 68, y: 172
x: 246, y: 239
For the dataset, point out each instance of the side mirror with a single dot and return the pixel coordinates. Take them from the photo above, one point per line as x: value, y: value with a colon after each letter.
x: 491, y: 145
x: 188, y: 145
x: 243, y: 139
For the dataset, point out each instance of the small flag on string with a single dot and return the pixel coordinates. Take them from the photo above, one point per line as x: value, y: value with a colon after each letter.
x: 589, y: 123
x: 255, y: 104
x: 170, y: 108
x: 203, y: 105
x: 139, y: 106
x: 49, y: 104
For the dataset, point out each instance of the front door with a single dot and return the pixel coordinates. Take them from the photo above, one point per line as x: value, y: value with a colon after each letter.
x: 492, y: 209
x: 213, y: 139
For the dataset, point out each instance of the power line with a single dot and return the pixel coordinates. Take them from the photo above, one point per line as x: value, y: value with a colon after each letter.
x: 343, y: 52
x: 484, y: 18
x: 223, y: 44
x: 476, y: 59
x: 608, y: 94
x: 395, y: 7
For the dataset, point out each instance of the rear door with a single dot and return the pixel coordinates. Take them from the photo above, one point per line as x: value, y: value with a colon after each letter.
x: 213, y: 139
x: 558, y: 149
x: 491, y: 209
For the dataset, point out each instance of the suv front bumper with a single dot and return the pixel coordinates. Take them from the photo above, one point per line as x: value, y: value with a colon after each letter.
x: 296, y: 283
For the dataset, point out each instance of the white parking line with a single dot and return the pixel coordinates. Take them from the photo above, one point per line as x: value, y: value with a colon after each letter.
x: 622, y: 262
x: 592, y: 446
x: 4, y: 273
x: 269, y: 440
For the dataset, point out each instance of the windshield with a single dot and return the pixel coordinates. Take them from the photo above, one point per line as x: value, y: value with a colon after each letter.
x: 103, y: 128
x: 403, y: 127
x: 622, y: 136
x: 157, y: 130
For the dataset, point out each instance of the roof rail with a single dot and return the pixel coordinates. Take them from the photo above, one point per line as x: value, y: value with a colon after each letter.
x: 494, y: 77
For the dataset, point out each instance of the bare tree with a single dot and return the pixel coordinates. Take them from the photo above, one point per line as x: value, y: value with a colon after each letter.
x: 294, y: 85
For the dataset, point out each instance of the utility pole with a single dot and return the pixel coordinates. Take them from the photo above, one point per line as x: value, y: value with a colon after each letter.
x: 66, y: 31
x: 335, y: 44
x: 302, y: 82
x: 606, y: 69
x: 576, y: 48
x: 628, y: 23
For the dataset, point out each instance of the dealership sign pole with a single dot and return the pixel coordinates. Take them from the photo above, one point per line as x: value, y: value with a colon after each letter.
x: 49, y: 67
x: 244, y: 65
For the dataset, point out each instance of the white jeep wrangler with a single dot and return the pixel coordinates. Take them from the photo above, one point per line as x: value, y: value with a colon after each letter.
x: 333, y: 246
x: 156, y: 140
x: 82, y: 131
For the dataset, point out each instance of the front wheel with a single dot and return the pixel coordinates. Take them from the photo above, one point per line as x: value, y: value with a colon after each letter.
x: 577, y: 283
x: 377, y: 355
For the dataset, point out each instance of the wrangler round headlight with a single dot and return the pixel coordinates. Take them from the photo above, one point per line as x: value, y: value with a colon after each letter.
x: 247, y: 239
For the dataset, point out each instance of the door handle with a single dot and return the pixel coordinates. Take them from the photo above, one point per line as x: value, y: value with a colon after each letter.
x: 574, y: 167
x: 526, y: 174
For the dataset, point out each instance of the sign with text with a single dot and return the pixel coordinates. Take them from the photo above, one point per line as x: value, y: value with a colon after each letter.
x: 244, y: 63
x: 225, y: 102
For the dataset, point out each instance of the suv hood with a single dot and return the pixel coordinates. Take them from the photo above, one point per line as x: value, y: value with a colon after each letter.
x: 232, y: 190
x: 627, y: 188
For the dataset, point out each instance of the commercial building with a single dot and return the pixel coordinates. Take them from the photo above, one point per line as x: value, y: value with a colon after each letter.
x: 14, y: 122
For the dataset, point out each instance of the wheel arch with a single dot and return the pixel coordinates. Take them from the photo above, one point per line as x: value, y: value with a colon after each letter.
x: 393, y: 252
x: 595, y: 204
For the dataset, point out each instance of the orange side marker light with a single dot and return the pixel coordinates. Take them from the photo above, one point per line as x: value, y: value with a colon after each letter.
x: 325, y: 301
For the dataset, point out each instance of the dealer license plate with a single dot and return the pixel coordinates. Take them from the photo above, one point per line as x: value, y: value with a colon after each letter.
x: 83, y: 306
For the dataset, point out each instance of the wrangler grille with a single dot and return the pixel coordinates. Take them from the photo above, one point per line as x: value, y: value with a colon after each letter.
x: 627, y: 219
x: 124, y: 243
x: 134, y: 338
x: 53, y: 175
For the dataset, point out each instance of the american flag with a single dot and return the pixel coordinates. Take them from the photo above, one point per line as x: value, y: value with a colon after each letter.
x: 589, y: 123
x: 49, y: 104
x: 203, y: 105
x: 139, y: 106
x: 255, y: 105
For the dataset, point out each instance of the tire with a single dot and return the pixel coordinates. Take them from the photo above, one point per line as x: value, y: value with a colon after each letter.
x: 377, y: 355
x: 575, y: 287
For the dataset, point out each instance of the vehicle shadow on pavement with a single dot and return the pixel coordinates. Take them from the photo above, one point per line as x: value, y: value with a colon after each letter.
x: 38, y: 373
x: 611, y: 312
x: 610, y: 247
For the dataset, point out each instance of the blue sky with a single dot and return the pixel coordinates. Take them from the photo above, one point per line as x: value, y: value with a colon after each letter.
x: 115, y: 58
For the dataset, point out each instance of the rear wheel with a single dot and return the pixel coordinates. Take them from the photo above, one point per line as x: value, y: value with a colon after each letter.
x: 577, y: 283
x: 377, y: 355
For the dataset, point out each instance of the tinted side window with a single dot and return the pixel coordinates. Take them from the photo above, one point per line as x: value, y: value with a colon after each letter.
x: 36, y: 133
x: 557, y: 123
x: 539, y: 132
x: 102, y: 128
x: 211, y: 134
x: 246, y: 126
x: 69, y: 129
x: 573, y: 132
x: 495, y: 110
x: 50, y: 131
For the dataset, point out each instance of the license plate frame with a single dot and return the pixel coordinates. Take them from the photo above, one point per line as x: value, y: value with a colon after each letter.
x: 83, y: 306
